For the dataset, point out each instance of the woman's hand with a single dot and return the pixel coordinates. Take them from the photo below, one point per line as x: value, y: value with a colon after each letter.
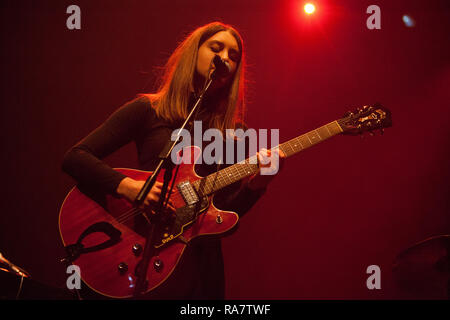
x: 129, y: 189
x: 269, y: 164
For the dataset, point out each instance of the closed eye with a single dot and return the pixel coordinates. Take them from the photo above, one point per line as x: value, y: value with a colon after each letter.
x: 233, y: 55
x: 215, y: 49
x: 217, y: 46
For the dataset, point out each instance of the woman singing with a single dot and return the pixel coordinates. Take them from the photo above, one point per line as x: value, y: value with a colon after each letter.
x: 149, y: 121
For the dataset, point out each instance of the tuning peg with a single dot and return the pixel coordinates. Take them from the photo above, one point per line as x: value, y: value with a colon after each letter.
x: 348, y: 114
x: 371, y: 133
x: 381, y: 131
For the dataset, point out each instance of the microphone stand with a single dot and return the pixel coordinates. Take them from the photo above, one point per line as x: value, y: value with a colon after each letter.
x: 155, y: 225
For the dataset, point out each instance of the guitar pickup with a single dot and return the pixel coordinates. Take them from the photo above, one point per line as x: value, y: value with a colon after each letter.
x: 188, y: 193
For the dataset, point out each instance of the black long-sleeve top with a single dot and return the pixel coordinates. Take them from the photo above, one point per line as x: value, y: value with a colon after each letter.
x: 200, y: 273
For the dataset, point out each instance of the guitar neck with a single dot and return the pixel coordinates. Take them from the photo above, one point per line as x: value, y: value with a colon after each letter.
x: 249, y: 166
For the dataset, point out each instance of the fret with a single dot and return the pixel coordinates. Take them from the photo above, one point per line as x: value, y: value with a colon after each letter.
x: 287, y: 144
x: 283, y: 148
x: 298, y: 144
x: 225, y: 177
x: 243, y: 169
x: 228, y: 175
x: 338, y: 126
x: 304, y: 140
x: 326, y: 126
x: 201, y: 186
x: 317, y: 133
x: 222, y: 180
x: 323, y: 132
x: 313, y: 137
x: 334, y: 127
x: 294, y: 145
x: 238, y: 170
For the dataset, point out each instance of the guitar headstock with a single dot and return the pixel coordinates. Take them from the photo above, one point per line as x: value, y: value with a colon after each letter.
x: 367, y: 118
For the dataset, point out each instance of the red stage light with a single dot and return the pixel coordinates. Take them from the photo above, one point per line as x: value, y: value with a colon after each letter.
x: 309, y: 8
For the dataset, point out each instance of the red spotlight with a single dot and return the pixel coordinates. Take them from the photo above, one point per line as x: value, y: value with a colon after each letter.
x: 309, y: 8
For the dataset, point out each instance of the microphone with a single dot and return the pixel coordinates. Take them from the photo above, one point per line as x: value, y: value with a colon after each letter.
x: 4, y: 263
x: 223, y: 68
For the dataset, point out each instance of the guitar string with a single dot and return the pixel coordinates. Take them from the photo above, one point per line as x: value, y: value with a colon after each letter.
x: 221, y: 178
x: 138, y: 211
x: 175, y: 194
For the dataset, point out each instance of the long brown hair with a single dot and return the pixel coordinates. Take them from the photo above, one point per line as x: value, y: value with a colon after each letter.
x: 172, y: 97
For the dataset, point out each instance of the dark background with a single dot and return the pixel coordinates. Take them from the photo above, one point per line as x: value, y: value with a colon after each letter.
x: 333, y: 211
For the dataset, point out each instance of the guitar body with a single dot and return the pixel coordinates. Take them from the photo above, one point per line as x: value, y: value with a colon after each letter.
x: 107, y: 260
x: 100, y: 267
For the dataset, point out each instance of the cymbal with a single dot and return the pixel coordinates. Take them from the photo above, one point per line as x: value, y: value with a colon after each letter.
x: 424, y: 268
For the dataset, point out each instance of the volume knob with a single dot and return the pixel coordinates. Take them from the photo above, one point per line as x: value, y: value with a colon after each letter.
x: 158, y: 265
x: 137, y: 249
x: 122, y: 267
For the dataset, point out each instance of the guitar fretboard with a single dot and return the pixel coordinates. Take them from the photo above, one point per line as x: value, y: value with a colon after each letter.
x: 249, y: 166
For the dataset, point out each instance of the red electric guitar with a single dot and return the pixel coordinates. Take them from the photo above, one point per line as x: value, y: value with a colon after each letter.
x: 100, y: 238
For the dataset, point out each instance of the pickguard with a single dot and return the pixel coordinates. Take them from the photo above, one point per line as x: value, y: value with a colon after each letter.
x: 175, y: 225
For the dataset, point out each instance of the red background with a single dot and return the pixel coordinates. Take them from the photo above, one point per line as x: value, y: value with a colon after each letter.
x: 334, y: 210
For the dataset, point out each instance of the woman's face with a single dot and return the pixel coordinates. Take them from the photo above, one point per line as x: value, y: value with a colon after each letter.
x: 222, y: 44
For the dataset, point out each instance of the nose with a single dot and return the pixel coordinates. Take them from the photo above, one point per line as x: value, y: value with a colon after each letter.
x: 224, y: 56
